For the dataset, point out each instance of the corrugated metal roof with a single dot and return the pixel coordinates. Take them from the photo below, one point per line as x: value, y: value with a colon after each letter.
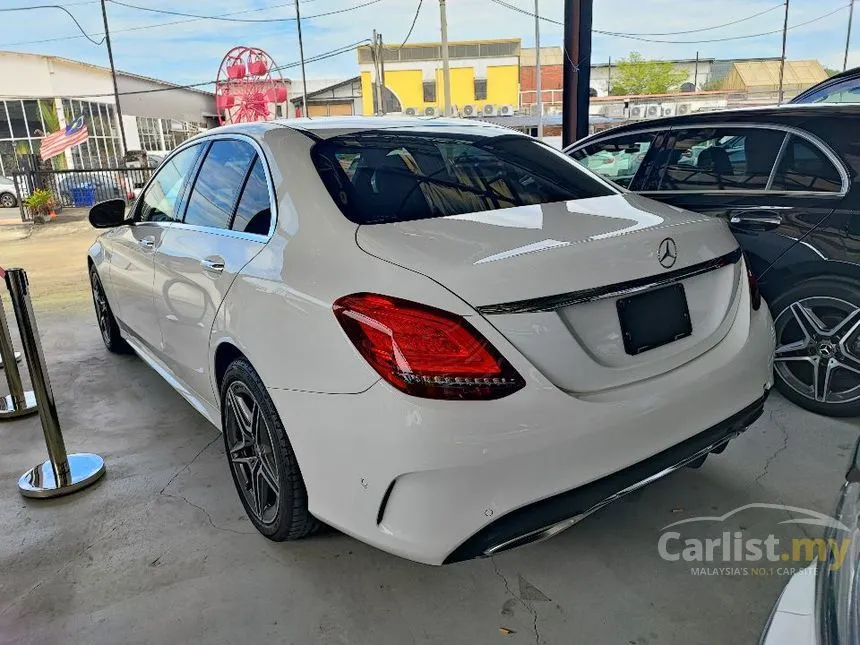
x: 765, y: 74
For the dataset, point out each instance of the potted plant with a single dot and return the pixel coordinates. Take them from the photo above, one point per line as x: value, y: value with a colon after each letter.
x: 41, y: 205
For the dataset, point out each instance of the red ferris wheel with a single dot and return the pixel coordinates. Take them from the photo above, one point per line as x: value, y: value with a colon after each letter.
x: 249, y: 86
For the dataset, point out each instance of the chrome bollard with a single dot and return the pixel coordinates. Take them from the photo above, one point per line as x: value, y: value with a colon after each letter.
x: 18, y: 403
x: 62, y: 473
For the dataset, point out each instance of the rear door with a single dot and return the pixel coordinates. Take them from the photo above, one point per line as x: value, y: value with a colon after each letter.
x: 773, y: 185
x: 227, y: 220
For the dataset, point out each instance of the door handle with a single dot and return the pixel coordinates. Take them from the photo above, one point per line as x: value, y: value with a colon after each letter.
x: 213, y: 265
x: 147, y: 242
x: 756, y: 221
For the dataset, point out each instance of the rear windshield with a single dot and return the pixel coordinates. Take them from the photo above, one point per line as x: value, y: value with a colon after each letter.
x: 380, y: 177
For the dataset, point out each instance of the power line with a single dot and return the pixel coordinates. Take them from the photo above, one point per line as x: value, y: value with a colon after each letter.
x: 728, y: 38
x: 412, y: 26
x: 618, y: 34
x: 323, y: 56
x: 248, y: 20
x: 64, y: 10
x: 151, y: 26
x: 696, y: 31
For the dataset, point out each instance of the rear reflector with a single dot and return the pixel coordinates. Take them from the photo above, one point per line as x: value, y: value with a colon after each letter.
x: 424, y: 351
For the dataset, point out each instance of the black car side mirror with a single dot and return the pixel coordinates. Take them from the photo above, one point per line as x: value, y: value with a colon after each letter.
x: 108, y: 214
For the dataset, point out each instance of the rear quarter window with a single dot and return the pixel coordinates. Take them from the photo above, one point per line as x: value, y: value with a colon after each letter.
x: 379, y: 177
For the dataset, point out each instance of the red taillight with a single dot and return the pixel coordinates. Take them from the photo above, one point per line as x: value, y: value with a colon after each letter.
x: 755, y: 294
x: 425, y: 351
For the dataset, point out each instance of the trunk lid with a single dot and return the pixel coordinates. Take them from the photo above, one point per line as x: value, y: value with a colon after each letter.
x: 539, y: 252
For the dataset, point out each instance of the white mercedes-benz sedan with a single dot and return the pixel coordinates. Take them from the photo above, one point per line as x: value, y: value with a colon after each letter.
x: 442, y: 337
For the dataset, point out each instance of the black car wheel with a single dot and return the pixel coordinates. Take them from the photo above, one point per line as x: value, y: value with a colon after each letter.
x: 7, y: 200
x: 262, y: 461
x: 817, y: 360
x: 104, y: 316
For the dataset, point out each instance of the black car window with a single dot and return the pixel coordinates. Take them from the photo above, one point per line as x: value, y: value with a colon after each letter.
x: 161, y: 199
x: 218, y: 184
x: 847, y: 91
x: 804, y: 167
x: 378, y: 177
x: 617, y: 158
x: 254, y: 213
x: 721, y: 159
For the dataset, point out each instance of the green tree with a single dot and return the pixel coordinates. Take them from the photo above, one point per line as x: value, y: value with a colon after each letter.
x: 635, y: 75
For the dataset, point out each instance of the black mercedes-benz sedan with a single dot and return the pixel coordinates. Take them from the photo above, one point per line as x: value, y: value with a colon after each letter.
x: 786, y: 180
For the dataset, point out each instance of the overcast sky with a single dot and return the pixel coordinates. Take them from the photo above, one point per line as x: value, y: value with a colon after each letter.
x: 191, y: 51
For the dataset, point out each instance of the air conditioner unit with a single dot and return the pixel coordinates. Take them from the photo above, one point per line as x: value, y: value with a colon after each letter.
x: 411, y: 111
x: 637, y: 111
x: 489, y: 110
x: 615, y: 110
x: 652, y: 111
x: 506, y: 110
x: 470, y: 109
x: 668, y: 109
x: 431, y: 111
x: 455, y: 110
x: 684, y: 108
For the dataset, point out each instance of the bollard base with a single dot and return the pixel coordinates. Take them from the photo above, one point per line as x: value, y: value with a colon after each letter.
x: 17, y: 359
x: 9, y: 411
x: 84, y: 469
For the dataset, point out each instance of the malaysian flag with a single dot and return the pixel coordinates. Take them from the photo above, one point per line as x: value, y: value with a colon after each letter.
x: 72, y: 135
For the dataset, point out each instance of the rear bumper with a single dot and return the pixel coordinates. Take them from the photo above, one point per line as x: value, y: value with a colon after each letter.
x: 549, y: 517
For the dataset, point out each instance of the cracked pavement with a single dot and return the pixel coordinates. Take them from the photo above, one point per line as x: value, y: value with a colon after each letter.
x: 160, y: 550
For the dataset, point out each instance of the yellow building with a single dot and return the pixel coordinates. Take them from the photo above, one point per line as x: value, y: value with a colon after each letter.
x: 485, y: 72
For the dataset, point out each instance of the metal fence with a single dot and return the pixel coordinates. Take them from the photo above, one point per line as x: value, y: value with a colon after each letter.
x: 79, y: 188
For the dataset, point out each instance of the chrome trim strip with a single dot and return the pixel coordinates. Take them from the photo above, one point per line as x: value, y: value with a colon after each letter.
x: 749, y: 193
x: 779, y: 155
x: 554, y: 529
x: 553, y: 303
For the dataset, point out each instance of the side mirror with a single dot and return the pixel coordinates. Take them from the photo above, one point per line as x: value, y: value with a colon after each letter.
x: 108, y: 214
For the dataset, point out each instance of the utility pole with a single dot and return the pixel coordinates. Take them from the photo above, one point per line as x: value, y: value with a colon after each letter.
x: 446, y: 69
x: 377, y: 88
x: 609, y: 78
x: 380, y: 52
x: 113, y: 77
x: 302, y: 58
x: 538, y: 88
x: 782, y: 60
x: 848, y: 37
x: 696, y: 74
x: 577, y: 69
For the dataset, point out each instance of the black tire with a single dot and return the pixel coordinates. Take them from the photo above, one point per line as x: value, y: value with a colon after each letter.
x: 113, y: 340
x: 279, y: 515
x: 830, y: 347
x: 8, y: 200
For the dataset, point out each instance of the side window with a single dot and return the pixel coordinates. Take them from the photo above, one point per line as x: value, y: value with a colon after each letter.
x: 721, y: 159
x: 848, y: 91
x: 161, y: 199
x: 218, y: 184
x: 254, y: 213
x: 804, y: 167
x: 616, y: 159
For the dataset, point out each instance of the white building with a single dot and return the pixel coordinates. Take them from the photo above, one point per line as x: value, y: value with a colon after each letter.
x: 39, y: 93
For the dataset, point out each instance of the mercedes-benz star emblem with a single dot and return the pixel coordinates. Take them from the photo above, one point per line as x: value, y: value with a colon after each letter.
x: 667, y: 254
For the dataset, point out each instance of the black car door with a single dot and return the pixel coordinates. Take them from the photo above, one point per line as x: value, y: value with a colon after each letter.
x: 773, y: 185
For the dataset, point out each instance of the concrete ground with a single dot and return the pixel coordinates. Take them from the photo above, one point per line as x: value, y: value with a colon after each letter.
x: 160, y: 550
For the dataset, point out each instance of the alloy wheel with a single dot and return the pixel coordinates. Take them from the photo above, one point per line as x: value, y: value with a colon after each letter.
x: 818, y: 349
x: 250, y: 450
x: 7, y: 200
x: 102, y: 308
